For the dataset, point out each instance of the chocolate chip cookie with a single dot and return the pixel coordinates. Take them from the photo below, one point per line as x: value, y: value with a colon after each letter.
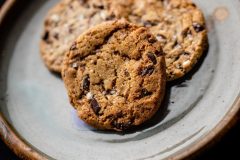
x: 180, y: 27
x: 115, y: 75
x: 64, y: 23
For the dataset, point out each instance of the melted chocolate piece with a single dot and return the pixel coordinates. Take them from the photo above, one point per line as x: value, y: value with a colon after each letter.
x: 147, y: 71
x: 144, y: 93
x: 152, y: 57
x: 95, y: 106
x: 86, y: 83
x: 45, y: 36
x: 198, y: 27
x: 121, y: 126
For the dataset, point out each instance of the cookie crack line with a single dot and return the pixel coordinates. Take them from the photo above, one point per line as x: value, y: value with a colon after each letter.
x: 96, y: 47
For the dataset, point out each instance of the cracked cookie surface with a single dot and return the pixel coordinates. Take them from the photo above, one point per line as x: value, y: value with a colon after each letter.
x: 178, y: 25
x: 115, y: 75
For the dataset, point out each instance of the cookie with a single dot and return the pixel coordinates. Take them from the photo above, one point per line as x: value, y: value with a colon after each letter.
x: 64, y: 23
x: 178, y: 25
x: 115, y: 75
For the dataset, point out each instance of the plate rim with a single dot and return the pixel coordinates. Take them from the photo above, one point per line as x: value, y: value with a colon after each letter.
x: 23, y: 150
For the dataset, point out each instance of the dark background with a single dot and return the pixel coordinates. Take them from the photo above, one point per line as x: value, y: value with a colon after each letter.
x: 1, y: 2
x: 226, y: 148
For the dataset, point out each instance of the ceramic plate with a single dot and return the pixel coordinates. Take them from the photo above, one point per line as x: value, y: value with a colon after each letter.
x: 37, y: 121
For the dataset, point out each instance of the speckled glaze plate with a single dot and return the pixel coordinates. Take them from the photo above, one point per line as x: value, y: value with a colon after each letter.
x: 37, y: 121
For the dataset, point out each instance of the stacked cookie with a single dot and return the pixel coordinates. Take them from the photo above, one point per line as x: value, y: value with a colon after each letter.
x: 115, y: 56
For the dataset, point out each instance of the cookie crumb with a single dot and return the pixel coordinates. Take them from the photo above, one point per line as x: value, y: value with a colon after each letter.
x: 112, y: 92
x: 104, y: 92
x: 75, y: 65
x: 55, y: 18
x: 186, y: 63
x: 161, y: 38
x: 89, y: 96
x: 103, y: 15
x: 80, y: 17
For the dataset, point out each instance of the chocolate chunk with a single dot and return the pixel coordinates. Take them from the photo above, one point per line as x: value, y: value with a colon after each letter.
x: 176, y: 57
x: 159, y: 52
x: 198, y: 27
x: 95, y: 62
x: 119, y: 114
x: 98, y: 6
x: 70, y: 30
x: 121, y: 126
x: 152, y: 57
x: 189, y: 33
x: 95, y: 106
x: 147, y: 71
x: 175, y: 44
x: 116, y: 52
x: 86, y: 83
x: 56, y: 36
x: 97, y: 49
x: 151, y: 39
x: 126, y: 73
x: 186, y: 53
x: 194, y: 5
x: 148, y: 24
x: 101, y: 7
x: 144, y: 93
x: 114, y: 82
x: 142, y: 48
x: 70, y: 7
x: 45, y: 36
